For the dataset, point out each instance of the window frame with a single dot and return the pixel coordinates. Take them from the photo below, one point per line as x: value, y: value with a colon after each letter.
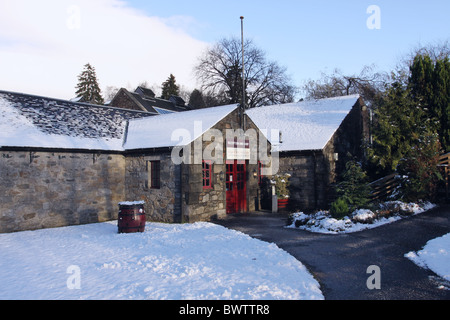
x: 206, y: 170
x: 155, y: 174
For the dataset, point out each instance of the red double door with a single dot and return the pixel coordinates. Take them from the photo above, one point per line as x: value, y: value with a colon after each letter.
x: 236, y: 186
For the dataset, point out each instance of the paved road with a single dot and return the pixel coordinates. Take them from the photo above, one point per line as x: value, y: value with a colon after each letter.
x: 340, y: 262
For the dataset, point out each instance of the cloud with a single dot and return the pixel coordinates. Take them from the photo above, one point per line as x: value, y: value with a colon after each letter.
x: 44, y: 45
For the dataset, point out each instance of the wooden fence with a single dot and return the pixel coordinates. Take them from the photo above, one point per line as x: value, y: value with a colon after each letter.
x: 384, y: 187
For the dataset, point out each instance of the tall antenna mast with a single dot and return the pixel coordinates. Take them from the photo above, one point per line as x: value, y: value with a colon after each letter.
x: 243, y: 75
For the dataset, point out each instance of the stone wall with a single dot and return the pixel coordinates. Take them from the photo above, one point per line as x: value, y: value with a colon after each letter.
x: 202, y: 204
x: 43, y: 189
x: 163, y: 204
x: 308, y: 186
x: 205, y: 204
x: 349, y: 141
x: 54, y: 189
x: 313, y: 173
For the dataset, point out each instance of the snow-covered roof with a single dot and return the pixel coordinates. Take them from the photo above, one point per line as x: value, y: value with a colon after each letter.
x: 168, y: 130
x: 40, y: 122
x: 33, y: 121
x: 306, y: 125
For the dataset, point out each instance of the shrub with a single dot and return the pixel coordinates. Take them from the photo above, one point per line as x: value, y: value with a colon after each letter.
x: 420, y: 170
x: 353, y: 187
x: 282, y: 185
x: 339, y: 208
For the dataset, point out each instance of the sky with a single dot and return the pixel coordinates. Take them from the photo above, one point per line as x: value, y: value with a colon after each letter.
x: 45, y: 44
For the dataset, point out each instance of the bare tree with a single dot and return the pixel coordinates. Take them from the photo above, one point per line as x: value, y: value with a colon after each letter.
x: 219, y: 71
x: 110, y: 93
x: 367, y: 83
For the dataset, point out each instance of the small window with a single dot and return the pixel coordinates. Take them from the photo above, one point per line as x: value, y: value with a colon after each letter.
x: 207, y: 174
x: 155, y: 169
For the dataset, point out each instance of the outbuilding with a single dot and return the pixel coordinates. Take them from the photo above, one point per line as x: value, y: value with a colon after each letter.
x: 317, y: 138
x: 65, y: 163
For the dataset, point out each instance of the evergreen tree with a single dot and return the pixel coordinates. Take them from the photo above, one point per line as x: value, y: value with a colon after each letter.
x: 397, y: 130
x: 87, y: 87
x: 429, y: 83
x: 421, y: 84
x: 440, y: 106
x: 353, y: 191
x: 410, y: 113
x: 353, y: 188
x: 196, y: 100
x: 419, y: 171
x: 170, y: 88
x: 421, y: 78
x: 233, y: 79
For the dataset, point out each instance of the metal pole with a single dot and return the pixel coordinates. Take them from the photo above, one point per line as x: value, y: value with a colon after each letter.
x: 243, y: 74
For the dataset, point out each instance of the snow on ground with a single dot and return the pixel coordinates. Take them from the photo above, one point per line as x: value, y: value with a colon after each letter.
x: 167, y: 261
x: 435, y: 256
x: 359, y: 220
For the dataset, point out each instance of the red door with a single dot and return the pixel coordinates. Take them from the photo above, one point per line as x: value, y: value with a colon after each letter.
x: 236, y: 186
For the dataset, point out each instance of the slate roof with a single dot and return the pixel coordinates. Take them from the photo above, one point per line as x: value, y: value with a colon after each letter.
x: 145, y: 100
x: 34, y: 121
x: 145, y: 92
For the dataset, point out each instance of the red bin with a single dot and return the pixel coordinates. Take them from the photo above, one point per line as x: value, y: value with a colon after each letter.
x: 131, y: 217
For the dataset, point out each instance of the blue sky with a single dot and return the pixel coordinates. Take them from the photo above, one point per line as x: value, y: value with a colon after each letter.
x: 44, y: 44
x: 313, y: 36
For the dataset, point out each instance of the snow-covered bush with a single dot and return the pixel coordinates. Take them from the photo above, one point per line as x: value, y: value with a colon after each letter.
x: 360, y: 219
x: 363, y: 216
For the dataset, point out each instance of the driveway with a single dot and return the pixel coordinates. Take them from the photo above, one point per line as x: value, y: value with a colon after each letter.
x: 340, y: 262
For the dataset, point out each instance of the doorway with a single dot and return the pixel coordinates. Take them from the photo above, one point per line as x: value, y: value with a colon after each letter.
x: 236, y: 185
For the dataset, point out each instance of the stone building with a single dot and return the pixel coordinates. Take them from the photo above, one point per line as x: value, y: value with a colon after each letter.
x: 317, y: 138
x: 66, y: 163
x: 144, y: 99
x: 201, y: 178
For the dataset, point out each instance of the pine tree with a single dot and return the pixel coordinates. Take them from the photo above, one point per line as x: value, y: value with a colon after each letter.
x: 353, y: 187
x: 408, y: 114
x: 430, y: 87
x: 170, y: 88
x: 421, y: 79
x: 87, y: 87
x: 196, y: 100
x: 441, y: 101
x: 398, y: 127
x: 234, y: 80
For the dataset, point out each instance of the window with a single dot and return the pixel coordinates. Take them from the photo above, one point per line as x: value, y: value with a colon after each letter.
x: 207, y: 174
x: 155, y: 169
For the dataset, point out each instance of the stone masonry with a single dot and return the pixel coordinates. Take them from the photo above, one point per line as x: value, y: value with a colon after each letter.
x: 162, y: 204
x: 54, y: 189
